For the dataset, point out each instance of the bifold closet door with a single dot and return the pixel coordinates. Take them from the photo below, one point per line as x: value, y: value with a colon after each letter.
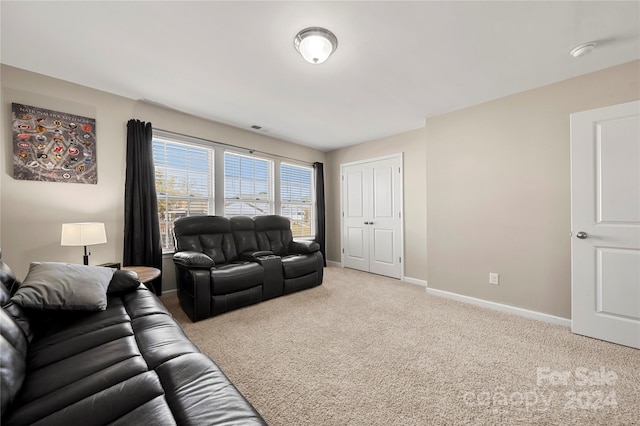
x: 372, y: 222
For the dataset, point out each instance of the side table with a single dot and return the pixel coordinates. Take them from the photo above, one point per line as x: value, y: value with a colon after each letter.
x: 146, y: 275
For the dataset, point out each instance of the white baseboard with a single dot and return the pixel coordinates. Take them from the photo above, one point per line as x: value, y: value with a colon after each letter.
x: 500, y: 307
x: 415, y: 281
x: 171, y: 292
x: 332, y: 263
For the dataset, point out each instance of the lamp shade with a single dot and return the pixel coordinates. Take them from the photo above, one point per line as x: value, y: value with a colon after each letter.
x: 83, y: 234
x: 315, y: 44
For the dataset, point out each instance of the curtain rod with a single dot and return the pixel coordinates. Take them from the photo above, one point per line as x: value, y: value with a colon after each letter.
x: 249, y: 150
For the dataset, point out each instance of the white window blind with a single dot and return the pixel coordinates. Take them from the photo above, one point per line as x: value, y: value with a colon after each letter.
x: 248, y: 185
x: 296, y: 198
x: 184, y: 183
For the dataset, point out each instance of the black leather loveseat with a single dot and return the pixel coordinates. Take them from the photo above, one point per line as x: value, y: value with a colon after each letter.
x: 223, y: 264
x: 125, y: 363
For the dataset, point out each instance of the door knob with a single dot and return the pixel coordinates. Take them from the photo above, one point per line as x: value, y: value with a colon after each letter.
x: 582, y: 235
x: 366, y: 223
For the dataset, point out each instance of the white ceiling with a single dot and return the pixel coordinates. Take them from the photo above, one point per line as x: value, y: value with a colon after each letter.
x: 397, y: 63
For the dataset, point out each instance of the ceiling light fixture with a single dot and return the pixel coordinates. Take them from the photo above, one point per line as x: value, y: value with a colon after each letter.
x: 583, y: 49
x: 315, y: 44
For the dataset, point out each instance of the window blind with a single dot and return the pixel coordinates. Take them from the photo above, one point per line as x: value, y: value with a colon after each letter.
x: 248, y: 184
x: 184, y: 183
x: 296, y: 198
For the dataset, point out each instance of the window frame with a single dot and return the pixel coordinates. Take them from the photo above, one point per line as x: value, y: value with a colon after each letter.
x: 209, y: 199
x: 312, y: 200
x: 271, y: 194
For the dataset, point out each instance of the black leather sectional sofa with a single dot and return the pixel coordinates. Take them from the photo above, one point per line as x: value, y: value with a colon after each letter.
x: 125, y: 363
x: 224, y: 264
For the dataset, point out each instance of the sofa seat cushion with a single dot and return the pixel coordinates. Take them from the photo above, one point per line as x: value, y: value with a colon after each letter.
x: 226, y: 279
x: 204, y: 389
x: 297, y: 266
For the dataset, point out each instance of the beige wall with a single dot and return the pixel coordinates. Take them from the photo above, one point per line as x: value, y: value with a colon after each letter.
x: 31, y: 213
x: 412, y: 144
x: 498, y: 186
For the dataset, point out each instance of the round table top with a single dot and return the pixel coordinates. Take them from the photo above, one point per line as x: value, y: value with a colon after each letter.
x: 145, y: 273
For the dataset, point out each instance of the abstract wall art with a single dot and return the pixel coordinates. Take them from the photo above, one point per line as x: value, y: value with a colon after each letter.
x: 53, y: 146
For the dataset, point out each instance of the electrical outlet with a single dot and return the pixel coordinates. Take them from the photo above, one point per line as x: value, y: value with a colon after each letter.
x: 494, y: 278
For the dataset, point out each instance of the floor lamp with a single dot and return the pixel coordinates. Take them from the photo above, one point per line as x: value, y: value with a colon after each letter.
x: 83, y: 234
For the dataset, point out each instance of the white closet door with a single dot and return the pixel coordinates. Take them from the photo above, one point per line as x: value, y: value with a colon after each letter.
x: 372, y: 223
x: 356, y: 184
x: 384, y: 219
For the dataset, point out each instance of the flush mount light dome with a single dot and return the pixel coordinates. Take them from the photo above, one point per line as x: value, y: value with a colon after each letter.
x: 315, y: 44
x: 583, y: 49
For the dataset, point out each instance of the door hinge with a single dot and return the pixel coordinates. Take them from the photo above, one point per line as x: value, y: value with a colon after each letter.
x: 343, y: 250
x: 342, y: 177
x: 398, y: 169
x: 399, y: 214
x: 400, y: 259
x: 342, y: 214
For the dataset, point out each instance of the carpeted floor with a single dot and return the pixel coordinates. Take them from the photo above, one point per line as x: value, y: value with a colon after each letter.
x: 363, y: 349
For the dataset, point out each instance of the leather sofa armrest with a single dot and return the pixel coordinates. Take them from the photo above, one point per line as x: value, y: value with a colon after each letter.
x: 193, y: 259
x: 253, y: 255
x: 194, y: 291
x: 303, y: 247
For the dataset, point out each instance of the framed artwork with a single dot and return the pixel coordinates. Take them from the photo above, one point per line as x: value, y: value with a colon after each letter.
x: 53, y: 146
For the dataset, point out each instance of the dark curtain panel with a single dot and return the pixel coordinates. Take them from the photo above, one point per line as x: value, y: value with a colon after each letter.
x: 318, y: 169
x: 141, y: 226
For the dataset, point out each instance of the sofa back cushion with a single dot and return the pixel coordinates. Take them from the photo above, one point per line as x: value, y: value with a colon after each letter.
x: 210, y: 235
x: 274, y: 233
x: 244, y: 233
x: 15, y: 335
x: 219, y: 247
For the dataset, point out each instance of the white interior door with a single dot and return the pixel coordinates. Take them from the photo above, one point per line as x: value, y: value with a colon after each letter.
x: 605, y: 213
x: 371, y: 216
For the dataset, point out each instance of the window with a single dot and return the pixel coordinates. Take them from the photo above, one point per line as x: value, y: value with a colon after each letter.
x: 248, y: 185
x: 296, y: 198
x: 184, y: 183
x: 189, y: 171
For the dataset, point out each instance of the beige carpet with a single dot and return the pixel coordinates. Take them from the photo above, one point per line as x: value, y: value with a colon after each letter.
x: 368, y: 350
